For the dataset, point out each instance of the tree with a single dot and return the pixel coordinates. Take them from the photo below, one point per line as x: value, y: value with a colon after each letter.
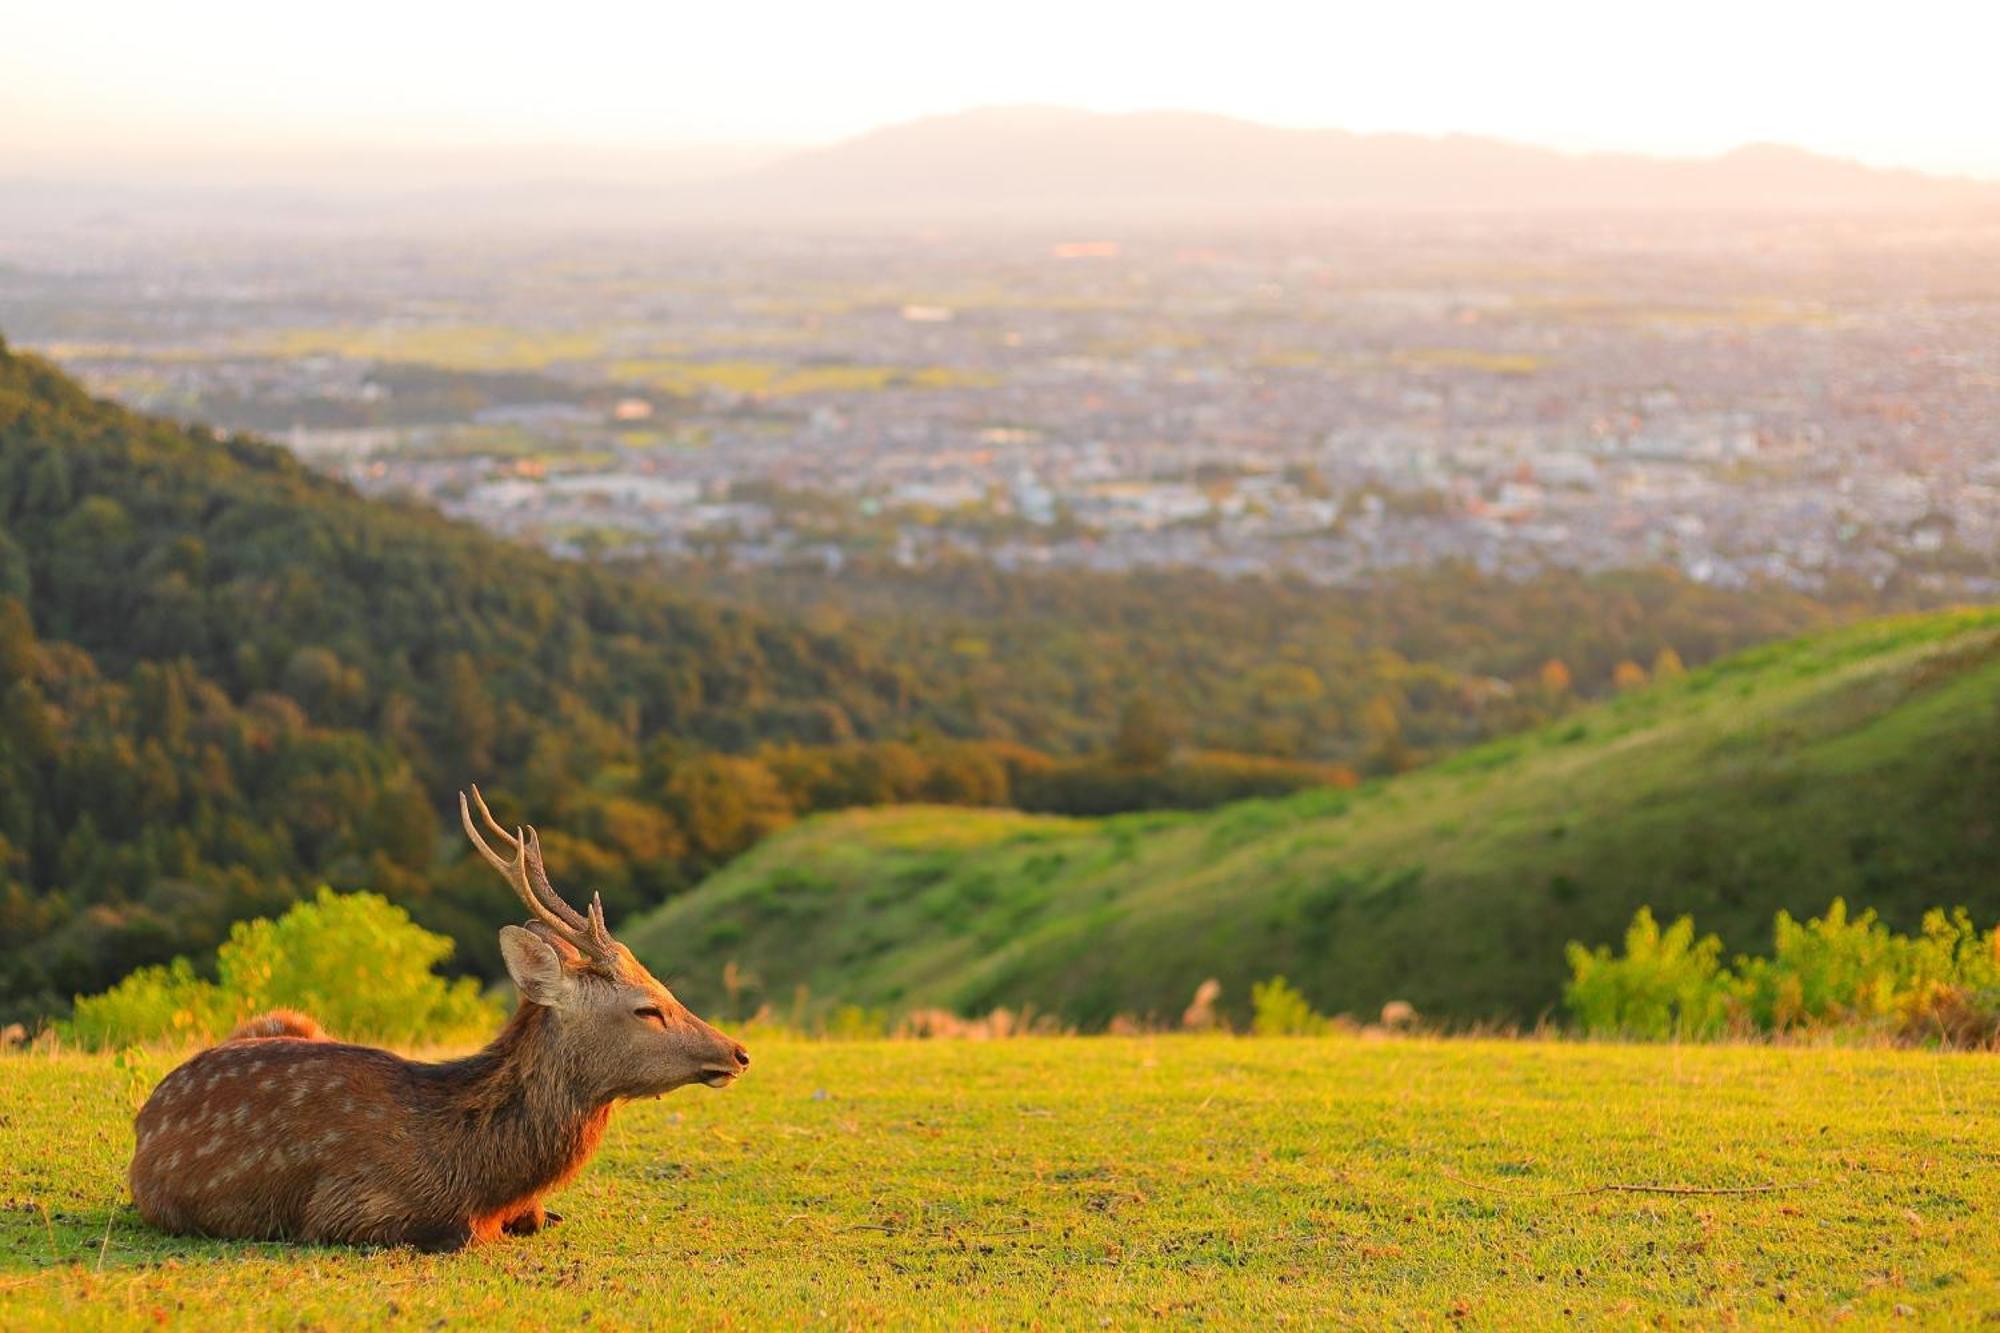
x: 17, y: 641
x: 1145, y: 737
x: 13, y: 567
x: 724, y: 803
x: 468, y: 716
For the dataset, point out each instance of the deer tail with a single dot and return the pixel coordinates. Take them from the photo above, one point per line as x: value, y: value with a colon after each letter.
x: 278, y: 1023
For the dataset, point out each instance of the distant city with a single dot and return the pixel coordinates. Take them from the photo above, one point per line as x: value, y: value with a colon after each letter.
x: 1764, y: 401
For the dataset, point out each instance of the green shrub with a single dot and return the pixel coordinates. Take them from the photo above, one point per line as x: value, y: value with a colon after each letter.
x: 1279, y: 1010
x: 1833, y: 975
x: 1668, y: 984
x: 355, y: 962
x: 1836, y: 972
x: 151, y: 1004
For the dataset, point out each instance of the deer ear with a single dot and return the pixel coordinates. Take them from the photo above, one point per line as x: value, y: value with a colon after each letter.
x: 536, y: 968
x: 566, y: 951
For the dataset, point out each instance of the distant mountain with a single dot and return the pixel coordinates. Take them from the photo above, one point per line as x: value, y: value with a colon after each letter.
x: 1027, y: 163
x: 1864, y: 762
x: 1009, y: 165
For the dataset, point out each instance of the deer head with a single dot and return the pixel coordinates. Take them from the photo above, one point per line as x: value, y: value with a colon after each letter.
x: 626, y: 1034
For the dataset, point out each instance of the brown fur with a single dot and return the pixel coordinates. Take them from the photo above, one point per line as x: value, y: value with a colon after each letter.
x: 278, y: 1023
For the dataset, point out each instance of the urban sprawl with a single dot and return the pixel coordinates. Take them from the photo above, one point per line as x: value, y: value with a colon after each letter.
x: 1743, y: 402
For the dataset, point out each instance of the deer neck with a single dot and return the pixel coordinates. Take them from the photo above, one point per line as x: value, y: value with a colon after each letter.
x: 520, y: 1116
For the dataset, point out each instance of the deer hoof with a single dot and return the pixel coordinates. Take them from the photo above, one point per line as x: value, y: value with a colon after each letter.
x: 529, y: 1221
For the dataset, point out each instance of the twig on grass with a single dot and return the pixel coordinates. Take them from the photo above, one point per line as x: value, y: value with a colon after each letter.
x: 1620, y: 1187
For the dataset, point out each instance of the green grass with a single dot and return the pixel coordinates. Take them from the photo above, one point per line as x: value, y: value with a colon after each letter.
x: 1862, y: 764
x: 1181, y: 1180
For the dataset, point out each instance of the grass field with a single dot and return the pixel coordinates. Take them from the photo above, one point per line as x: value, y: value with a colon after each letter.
x: 1080, y: 1182
x: 1862, y: 763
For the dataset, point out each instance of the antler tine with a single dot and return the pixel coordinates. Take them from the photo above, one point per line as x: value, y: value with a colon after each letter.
x: 492, y: 824
x: 493, y: 858
x: 544, y: 890
x: 599, y: 934
x: 515, y: 872
x: 538, y: 876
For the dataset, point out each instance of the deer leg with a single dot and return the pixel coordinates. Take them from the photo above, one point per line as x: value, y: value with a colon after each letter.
x: 529, y: 1220
x: 449, y: 1238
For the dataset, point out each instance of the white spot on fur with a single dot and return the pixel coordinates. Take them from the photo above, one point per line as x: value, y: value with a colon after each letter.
x: 266, y: 1083
x: 209, y: 1145
x: 173, y: 1160
x: 298, y: 1093
x: 330, y: 1138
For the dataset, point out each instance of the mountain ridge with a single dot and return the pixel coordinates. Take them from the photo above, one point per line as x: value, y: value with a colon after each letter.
x: 1053, y: 161
x: 1022, y: 164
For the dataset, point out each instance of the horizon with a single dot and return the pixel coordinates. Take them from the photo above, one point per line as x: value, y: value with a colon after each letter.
x: 126, y: 92
x: 396, y: 169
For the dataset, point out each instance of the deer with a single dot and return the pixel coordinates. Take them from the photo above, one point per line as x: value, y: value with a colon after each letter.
x: 280, y: 1132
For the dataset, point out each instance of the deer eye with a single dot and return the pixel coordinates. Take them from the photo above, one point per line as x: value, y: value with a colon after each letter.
x: 653, y: 1012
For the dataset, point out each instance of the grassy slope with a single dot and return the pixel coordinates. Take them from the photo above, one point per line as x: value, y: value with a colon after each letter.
x: 1077, y: 1182
x: 1863, y: 763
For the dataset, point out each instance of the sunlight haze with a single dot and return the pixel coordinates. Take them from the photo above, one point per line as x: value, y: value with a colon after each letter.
x: 135, y: 85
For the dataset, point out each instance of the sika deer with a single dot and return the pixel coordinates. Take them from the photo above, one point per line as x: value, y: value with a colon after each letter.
x: 280, y: 1133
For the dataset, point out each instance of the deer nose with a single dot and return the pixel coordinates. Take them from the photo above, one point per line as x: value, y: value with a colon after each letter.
x: 742, y: 1057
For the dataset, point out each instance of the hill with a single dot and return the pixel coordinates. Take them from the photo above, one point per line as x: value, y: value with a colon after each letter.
x: 225, y: 680
x: 1863, y: 763
x: 1113, y: 1183
x: 1027, y: 163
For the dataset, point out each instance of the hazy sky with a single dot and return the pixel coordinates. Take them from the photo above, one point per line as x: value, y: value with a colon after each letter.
x: 86, y: 82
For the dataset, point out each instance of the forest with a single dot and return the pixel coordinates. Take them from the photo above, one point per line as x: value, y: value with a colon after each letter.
x: 225, y: 681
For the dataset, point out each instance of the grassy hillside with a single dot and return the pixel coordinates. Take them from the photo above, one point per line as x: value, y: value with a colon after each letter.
x: 1081, y: 1183
x: 1863, y: 763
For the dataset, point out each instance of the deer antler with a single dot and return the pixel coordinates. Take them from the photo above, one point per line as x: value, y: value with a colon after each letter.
x: 530, y: 880
x: 537, y: 875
